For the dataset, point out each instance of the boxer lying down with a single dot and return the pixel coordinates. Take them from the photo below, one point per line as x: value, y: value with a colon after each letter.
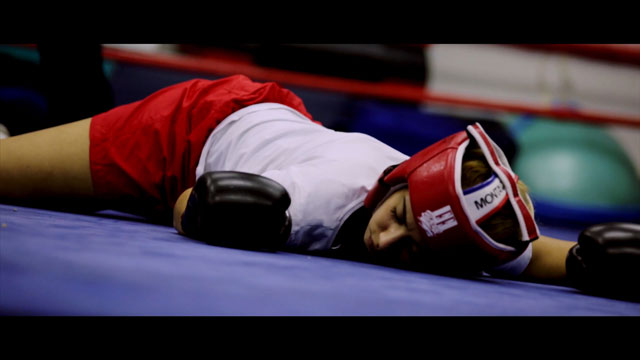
x: 242, y: 164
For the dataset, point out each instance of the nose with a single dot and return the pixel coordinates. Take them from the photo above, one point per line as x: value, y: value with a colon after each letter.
x: 392, y: 235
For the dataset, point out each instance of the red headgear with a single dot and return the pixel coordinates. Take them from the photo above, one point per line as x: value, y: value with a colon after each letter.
x: 448, y: 216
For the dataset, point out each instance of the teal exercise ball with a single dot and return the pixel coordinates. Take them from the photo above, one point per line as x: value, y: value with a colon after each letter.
x: 576, y: 164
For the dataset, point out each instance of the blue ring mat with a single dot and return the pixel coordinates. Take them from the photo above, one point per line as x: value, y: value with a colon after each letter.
x: 63, y: 264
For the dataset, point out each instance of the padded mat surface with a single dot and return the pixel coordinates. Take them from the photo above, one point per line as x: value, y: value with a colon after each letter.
x: 54, y: 263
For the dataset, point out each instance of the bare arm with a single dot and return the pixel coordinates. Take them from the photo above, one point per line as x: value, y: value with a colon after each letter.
x: 178, y: 209
x: 48, y: 167
x: 547, y: 263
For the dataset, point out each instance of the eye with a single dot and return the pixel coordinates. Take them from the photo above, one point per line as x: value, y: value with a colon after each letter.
x: 400, y: 219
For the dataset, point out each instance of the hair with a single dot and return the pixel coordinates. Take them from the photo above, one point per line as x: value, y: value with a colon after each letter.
x: 503, y: 225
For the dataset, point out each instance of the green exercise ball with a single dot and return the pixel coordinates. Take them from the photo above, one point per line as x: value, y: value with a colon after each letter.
x: 575, y: 164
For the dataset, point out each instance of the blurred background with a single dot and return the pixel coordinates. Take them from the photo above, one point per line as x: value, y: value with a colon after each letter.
x: 566, y: 115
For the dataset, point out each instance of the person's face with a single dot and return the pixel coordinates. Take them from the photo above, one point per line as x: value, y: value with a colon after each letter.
x: 392, y: 235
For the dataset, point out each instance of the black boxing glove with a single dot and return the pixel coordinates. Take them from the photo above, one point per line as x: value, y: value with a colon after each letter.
x: 236, y: 209
x: 606, y: 260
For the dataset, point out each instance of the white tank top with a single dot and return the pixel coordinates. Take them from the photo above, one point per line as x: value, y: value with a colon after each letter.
x: 327, y: 173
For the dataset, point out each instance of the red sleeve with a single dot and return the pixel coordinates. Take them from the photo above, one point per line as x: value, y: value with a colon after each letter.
x: 145, y: 153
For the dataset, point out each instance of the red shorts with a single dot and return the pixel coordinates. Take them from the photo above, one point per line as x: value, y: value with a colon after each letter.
x: 143, y: 155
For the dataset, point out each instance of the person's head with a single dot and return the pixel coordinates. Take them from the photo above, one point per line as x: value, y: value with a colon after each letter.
x: 450, y: 208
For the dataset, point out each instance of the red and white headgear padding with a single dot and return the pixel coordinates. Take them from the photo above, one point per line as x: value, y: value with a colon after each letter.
x: 448, y: 216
